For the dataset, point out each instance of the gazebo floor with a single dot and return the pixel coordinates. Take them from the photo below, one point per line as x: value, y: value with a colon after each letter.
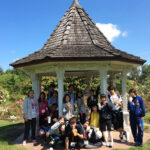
x: 117, y: 144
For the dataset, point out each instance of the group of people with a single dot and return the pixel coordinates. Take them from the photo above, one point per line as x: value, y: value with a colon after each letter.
x: 84, y: 123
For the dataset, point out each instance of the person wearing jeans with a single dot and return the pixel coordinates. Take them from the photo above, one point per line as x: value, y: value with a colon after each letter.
x: 30, y: 115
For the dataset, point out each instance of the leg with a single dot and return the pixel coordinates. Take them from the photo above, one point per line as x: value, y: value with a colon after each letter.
x: 33, y: 126
x: 134, y: 129
x: 109, y: 125
x: 105, y: 136
x: 27, y: 129
x: 140, y: 131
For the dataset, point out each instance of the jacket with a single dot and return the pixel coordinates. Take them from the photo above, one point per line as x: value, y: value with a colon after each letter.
x: 136, y: 107
x: 106, y: 111
x: 27, y: 108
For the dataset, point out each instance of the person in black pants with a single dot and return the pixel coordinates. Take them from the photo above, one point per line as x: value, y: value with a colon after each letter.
x: 105, y: 119
x: 93, y: 99
x: 30, y: 115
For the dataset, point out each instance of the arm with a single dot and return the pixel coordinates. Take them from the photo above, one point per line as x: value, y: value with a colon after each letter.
x: 80, y: 136
x: 67, y: 143
x: 142, y: 107
x: 25, y: 110
x: 88, y: 102
x: 37, y: 108
x: 130, y: 106
x: 55, y: 126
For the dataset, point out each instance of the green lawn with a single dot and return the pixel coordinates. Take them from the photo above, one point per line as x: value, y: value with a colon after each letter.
x: 5, y: 140
x: 6, y: 145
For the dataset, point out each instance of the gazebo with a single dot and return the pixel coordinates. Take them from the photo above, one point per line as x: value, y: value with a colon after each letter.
x: 78, y: 47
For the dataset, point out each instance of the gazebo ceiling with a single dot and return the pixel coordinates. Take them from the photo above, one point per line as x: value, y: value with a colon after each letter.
x: 76, y: 38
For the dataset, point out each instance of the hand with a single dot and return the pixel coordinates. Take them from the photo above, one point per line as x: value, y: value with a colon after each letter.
x: 37, y: 118
x: 130, y: 99
x: 69, y: 106
x: 55, y: 119
x: 26, y: 118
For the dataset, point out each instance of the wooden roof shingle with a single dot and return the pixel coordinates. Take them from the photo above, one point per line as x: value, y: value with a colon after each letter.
x: 76, y: 37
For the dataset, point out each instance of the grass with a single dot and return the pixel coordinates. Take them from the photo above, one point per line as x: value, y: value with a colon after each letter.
x: 6, y: 145
x: 145, y: 147
x: 6, y: 127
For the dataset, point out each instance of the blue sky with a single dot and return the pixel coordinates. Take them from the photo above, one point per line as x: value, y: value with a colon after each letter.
x: 25, y: 25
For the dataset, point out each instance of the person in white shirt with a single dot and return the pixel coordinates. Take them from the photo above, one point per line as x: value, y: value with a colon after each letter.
x: 117, y: 118
x: 30, y: 115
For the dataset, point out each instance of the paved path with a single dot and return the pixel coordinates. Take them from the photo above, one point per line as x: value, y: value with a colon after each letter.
x: 117, y: 144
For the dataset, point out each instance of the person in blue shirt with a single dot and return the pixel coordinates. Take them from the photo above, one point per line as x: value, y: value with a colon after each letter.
x: 53, y: 99
x: 72, y: 94
x: 137, y: 112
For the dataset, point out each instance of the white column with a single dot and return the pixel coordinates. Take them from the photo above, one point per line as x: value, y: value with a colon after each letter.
x: 125, y: 103
x: 60, y: 79
x: 35, y: 79
x: 103, y: 77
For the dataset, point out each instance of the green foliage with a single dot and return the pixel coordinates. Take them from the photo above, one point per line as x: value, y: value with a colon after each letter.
x: 1, y: 71
x: 46, y: 81
x: 4, y: 95
x: 147, y: 118
x: 16, y: 83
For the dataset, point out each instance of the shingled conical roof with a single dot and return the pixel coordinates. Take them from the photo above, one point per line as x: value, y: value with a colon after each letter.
x: 76, y: 37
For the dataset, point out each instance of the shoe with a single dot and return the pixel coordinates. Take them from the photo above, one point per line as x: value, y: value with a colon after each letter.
x: 121, y: 138
x: 139, y: 145
x: 24, y: 143
x: 104, y: 143
x: 35, y: 143
x: 107, y: 144
x: 111, y: 145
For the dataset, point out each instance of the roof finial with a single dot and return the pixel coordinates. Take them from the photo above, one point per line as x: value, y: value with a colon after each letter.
x: 75, y: 3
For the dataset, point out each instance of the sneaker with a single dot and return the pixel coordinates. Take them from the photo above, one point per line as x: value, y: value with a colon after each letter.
x: 121, y: 138
x: 104, y: 143
x: 111, y: 144
x: 107, y: 144
x: 35, y: 143
x: 24, y: 143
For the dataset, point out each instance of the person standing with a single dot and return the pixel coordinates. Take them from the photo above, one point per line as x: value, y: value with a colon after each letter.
x: 106, y: 120
x: 71, y: 94
x: 68, y: 110
x: 43, y: 108
x: 30, y: 115
x: 51, y: 91
x: 137, y: 112
x: 81, y: 106
x: 117, y: 118
x: 53, y: 99
x: 93, y: 99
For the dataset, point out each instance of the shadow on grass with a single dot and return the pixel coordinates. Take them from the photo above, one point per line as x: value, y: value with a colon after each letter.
x: 10, y: 132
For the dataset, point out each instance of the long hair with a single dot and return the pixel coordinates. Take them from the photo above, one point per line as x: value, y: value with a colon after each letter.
x: 64, y: 99
x: 42, y: 93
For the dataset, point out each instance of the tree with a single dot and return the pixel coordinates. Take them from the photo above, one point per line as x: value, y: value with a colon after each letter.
x: 1, y: 71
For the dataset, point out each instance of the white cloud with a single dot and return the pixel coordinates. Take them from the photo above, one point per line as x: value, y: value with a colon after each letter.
x: 124, y: 34
x: 111, y: 31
